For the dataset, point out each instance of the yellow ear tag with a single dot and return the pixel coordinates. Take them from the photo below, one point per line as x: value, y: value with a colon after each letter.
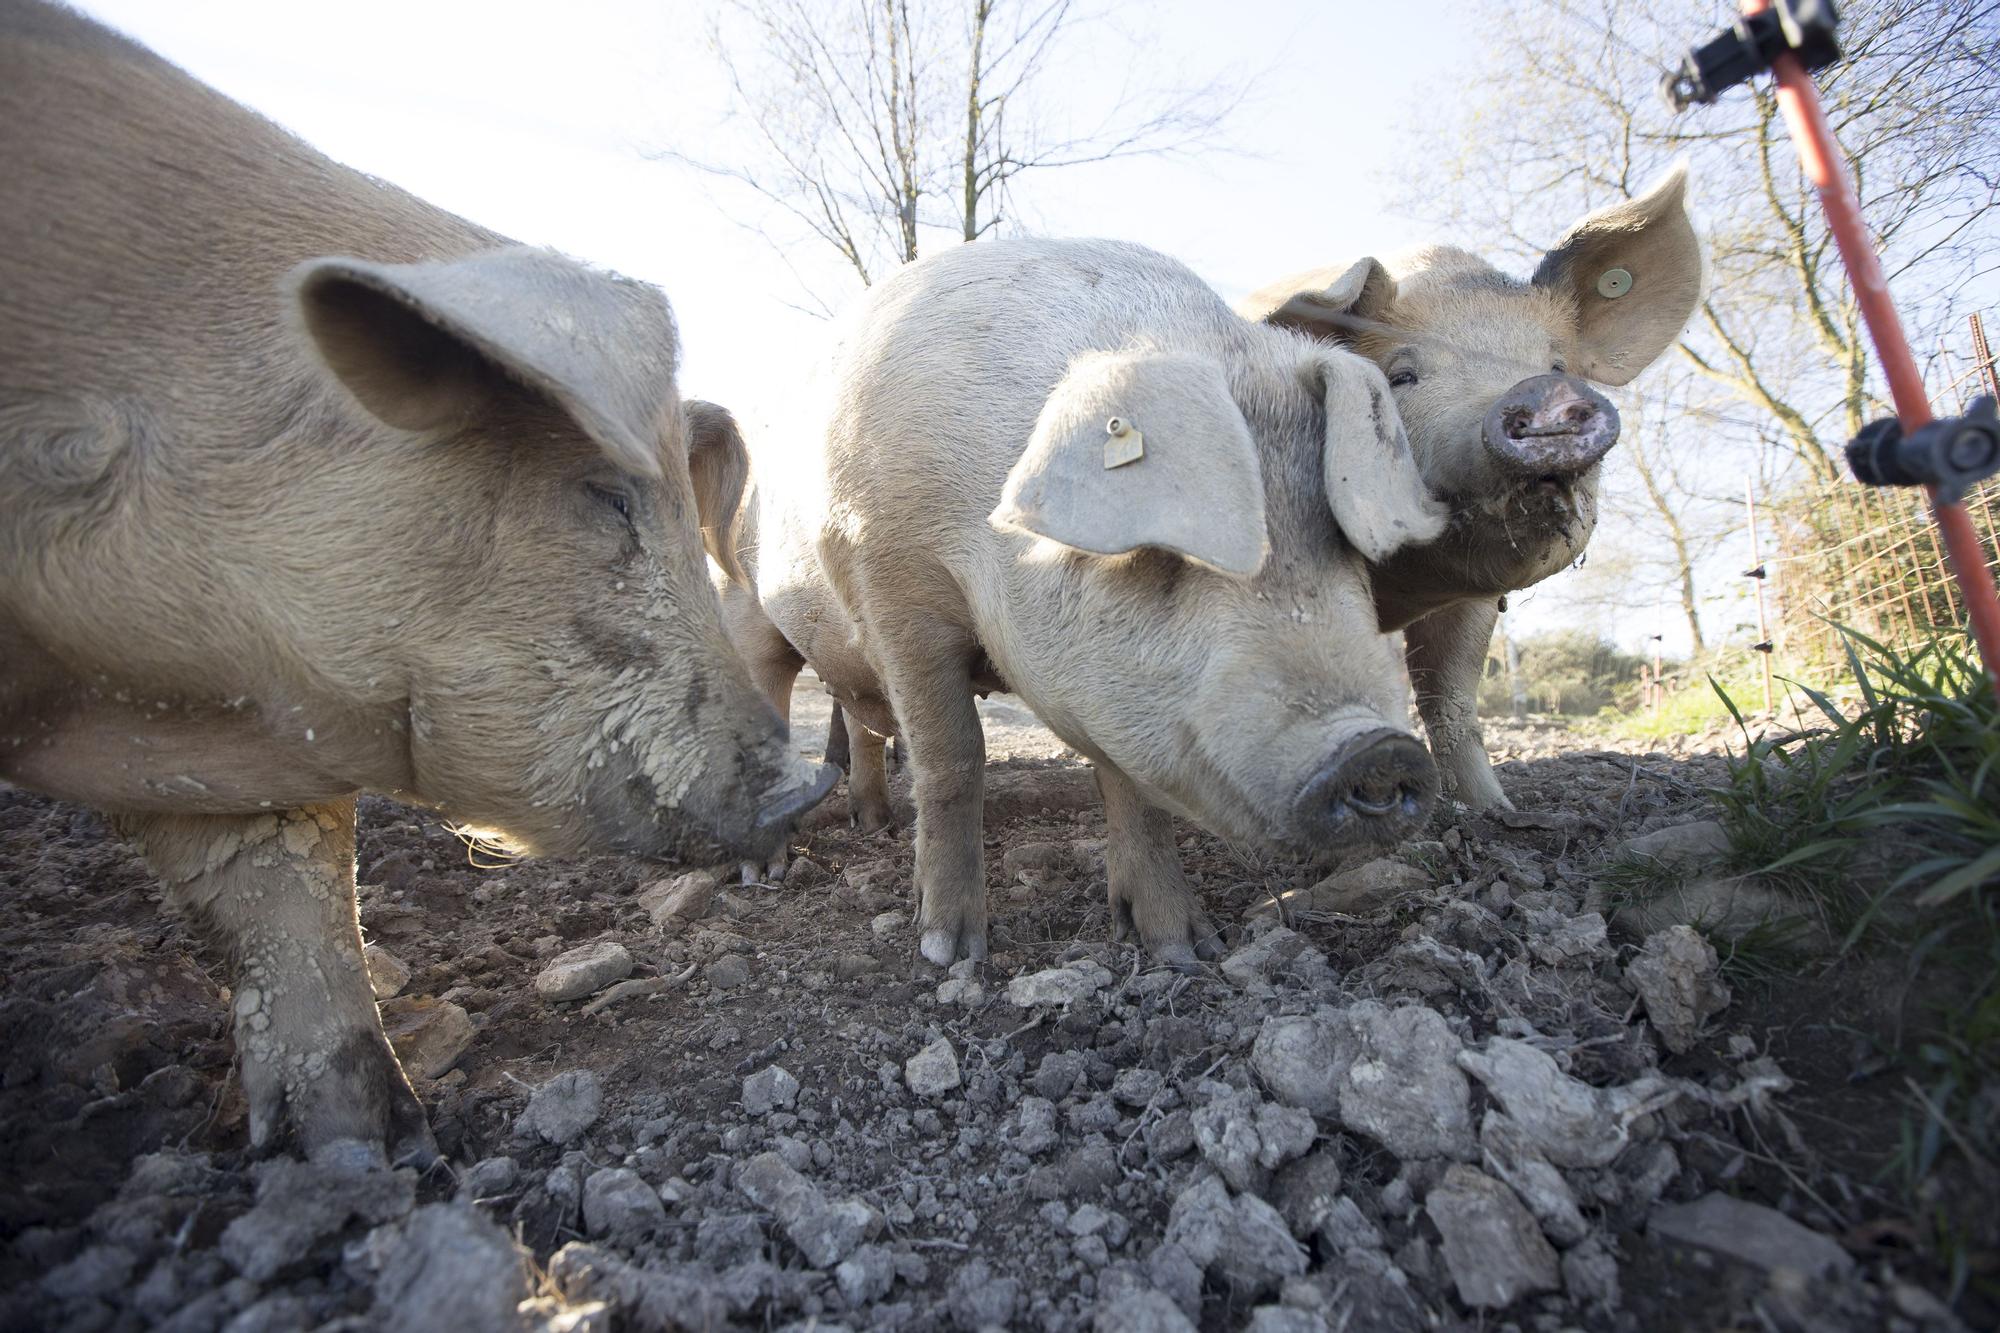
x: 1124, y: 443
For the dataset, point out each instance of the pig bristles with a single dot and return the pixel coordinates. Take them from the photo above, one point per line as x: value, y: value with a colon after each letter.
x: 486, y: 848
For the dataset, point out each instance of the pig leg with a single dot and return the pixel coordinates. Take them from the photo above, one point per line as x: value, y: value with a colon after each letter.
x: 868, y: 781
x: 1144, y: 881
x: 277, y: 891
x: 939, y: 720
x: 1446, y: 651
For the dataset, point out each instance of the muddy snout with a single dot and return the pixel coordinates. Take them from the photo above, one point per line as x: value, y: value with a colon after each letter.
x: 629, y: 816
x: 1377, y: 787
x: 1550, y: 426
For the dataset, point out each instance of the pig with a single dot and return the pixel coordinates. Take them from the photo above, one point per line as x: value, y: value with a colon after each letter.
x: 1067, y: 470
x: 1493, y: 378
x: 308, y: 488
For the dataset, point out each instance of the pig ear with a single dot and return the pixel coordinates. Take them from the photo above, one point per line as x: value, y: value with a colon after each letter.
x: 427, y: 346
x: 1137, y: 449
x: 1372, y: 483
x: 1634, y: 272
x: 1324, y: 302
x: 719, y: 466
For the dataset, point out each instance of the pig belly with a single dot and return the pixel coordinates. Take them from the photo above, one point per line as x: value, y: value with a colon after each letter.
x: 202, y: 761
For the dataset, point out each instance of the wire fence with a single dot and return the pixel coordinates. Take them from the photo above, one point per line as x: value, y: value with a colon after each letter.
x: 1868, y: 558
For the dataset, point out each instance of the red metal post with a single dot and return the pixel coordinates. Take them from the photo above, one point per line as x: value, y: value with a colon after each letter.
x: 1798, y: 99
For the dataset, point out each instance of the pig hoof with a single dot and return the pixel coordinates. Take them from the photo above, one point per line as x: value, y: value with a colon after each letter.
x: 770, y: 873
x: 942, y: 946
x: 870, y: 819
x: 1180, y: 957
x: 357, y: 1109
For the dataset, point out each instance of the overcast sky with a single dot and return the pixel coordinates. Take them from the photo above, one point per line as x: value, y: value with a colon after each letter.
x: 544, y: 121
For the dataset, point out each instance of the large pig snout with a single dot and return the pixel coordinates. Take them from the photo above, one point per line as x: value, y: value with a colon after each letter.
x: 1550, y: 426
x: 779, y: 809
x: 1377, y: 787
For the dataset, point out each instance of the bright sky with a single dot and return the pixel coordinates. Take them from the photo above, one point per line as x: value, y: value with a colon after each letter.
x: 542, y: 129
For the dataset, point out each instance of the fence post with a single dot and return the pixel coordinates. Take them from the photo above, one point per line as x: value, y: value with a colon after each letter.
x: 1756, y: 574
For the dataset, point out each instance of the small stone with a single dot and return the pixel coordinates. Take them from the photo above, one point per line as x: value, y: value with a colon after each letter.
x: 825, y: 1233
x: 1087, y: 1220
x: 1035, y: 1126
x: 387, y: 974
x: 676, y: 901
x: 446, y: 1266
x: 964, y: 991
x: 1242, y: 1241
x: 884, y: 924
x: 770, y: 1089
x: 1357, y: 891
x: 979, y: 1300
x: 1246, y: 1138
x: 1171, y: 1136
x: 300, y: 1203
x: 1301, y: 1061
x: 619, y: 1205
x: 1142, y: 1312
x: 427, y: 1034
x: 1283, y: 1319
x: 488, y: 1179
x: 1138, y: 1087
x: 1058, y: 985
x: 1676, y: 976
x: 727, y: 972
x: 723, y: 1240
x: 1272, y: 955
x: 1561, y: 940
x: 1684, y: 847
x: 1306, y: 1190
x: 562, y: 1108
x: 1749, y: 1233
x: 933, y: 1071
x: 1492, y: 1247
x: 584, y: 971
x: 866, y: 1276
x: 1570, y: 1123
x: 1590, y: 1275
x: 1404, y: 1088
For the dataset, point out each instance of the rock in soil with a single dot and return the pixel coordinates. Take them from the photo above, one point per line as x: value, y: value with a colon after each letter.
x: 933, y: 1071
x: 387, y: 974
x: 584, y: 971
x: 1676, y: 977
x: 1492, y: 1247
x: 427, y: 1034
x: 563, y: 1107
x: 1749, y: 1233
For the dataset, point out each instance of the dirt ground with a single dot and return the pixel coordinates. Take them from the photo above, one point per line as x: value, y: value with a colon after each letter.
x: 1128, y: 1148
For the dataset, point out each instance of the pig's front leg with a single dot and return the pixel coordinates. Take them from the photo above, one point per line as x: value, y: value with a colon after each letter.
x: 868, y: 806
x: 934, y: 706
x: 277, y: 891
x: 1446, y: 651
x: 1149, y: 892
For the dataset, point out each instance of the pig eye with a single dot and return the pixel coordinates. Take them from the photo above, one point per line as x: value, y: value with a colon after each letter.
x: 612, y: 496
x: 1402, y: 379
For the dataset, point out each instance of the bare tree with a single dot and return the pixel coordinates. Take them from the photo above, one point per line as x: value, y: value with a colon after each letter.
x: 879, y: 127
x: 1571, y: 119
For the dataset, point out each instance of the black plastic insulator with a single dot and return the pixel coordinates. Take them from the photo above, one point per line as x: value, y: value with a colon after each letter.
x: 1745, y: 49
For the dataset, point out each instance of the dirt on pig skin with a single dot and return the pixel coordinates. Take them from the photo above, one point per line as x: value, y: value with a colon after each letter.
x: 1451, y: 1111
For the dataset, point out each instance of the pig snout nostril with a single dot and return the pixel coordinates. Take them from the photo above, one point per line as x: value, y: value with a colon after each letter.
x: 1575, y: 415
x: 1376, y: 785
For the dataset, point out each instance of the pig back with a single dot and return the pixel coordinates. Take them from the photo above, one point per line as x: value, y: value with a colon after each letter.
x: 939, y: 377
x: 149, y: 224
